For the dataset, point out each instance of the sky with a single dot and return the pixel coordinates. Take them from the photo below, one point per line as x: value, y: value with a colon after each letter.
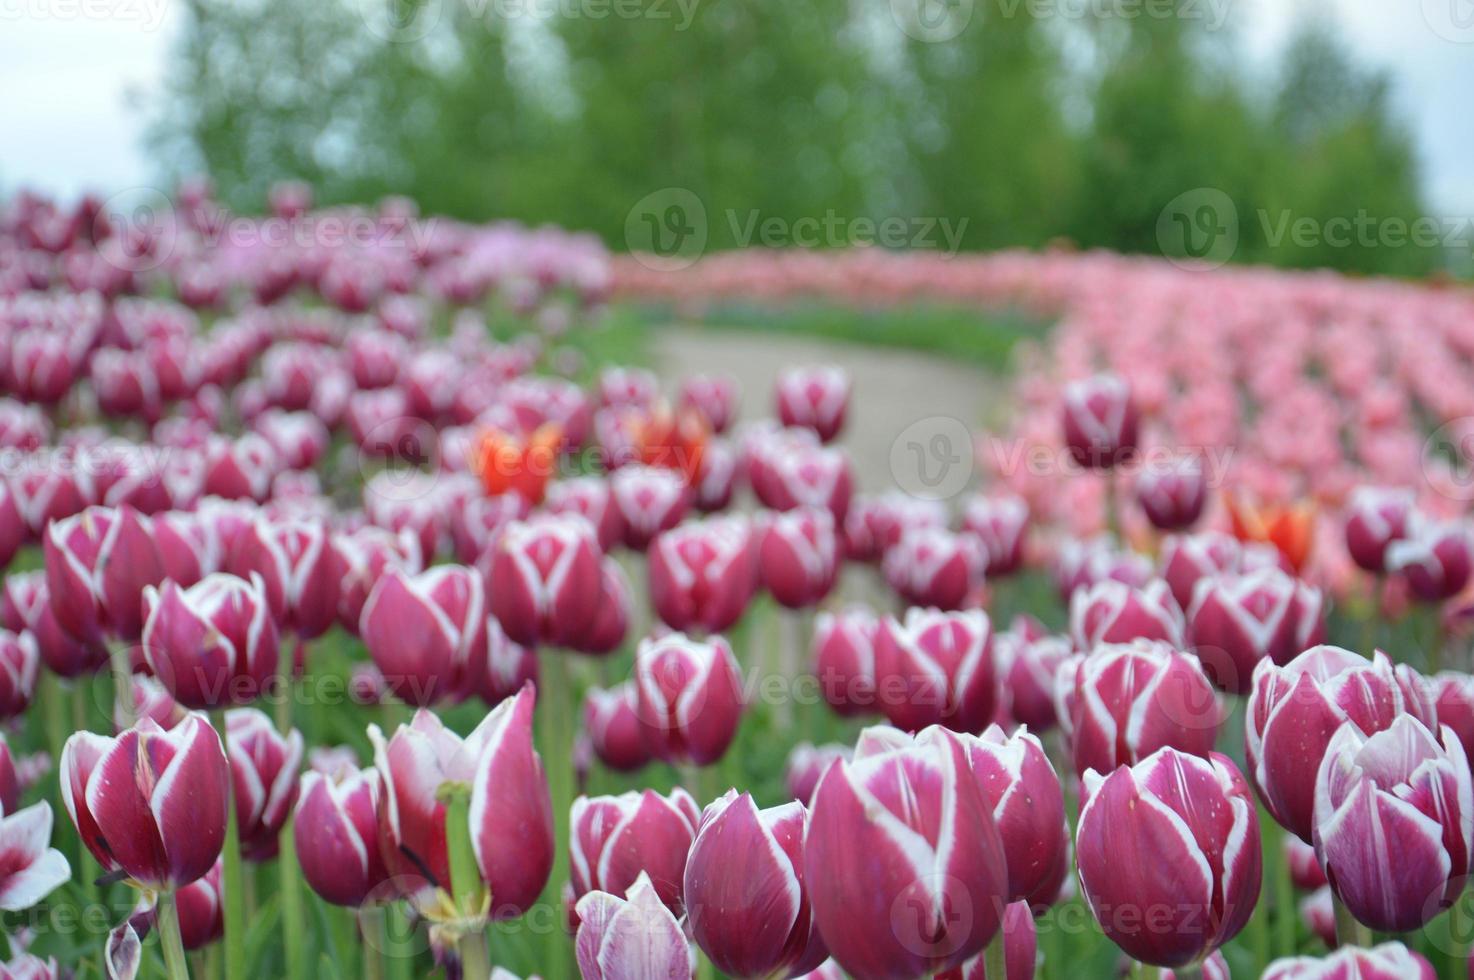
x: 73, y: 74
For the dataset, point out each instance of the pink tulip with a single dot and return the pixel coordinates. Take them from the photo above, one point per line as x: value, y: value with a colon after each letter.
x: 937, y: 668
x: 929, y: 892
x: 336, y: 833
x: 844, y: 659
x: 622, y: 387
x: 33, y: 868
x: 814, y: 397
x: 1113, y: 612
x: 617, y: 839
x: 375, y: 357
x: 365, y: 554
x: 511, y: 812
x: 1169, y: 855
x: 744, y: 889
x: 27, y: 607
x: 264, y: 768
x: 1305, y: 869
x: 240, y: 469
x: 545, y: 580
x: 189, y: 546
x: 1235, y: 621
x: 1126, y: 701
x: 789, y: 474
x: 807, y: 763
x: 1020, y: 786
x: 714, y: 396
x: 12, y: 525
x: 612, y: 619
x: 476, y: 523
x: 999, y: 523
x: 427, y: 632
x: 934, y: 567
x: 650, y: 499
x: 873, y: 525
x: 1318, y: 909
x: 1186, y: 558
x: 631, y: 938
x: 690, y: 697
x: 24, y: 966
x: 152, y: 700
x: 591, y: 497
x: 1389, y: 961
x: 798, y: 556
x: 716, y: 479
x: 98, y: 565
x: 1453, y: 694
x: 299, y: 438
x: 213, y: 643
x: 125, y: 384
x: 1435, y: 560
x: 611, y: 719
x: 1293, y: 712
x: 44, y: 494
x: 297, y: 566
x: 1172, y: 496
x: 1394, y: 822
x: 10, y: 781
x: 1030, y: 669
x: 509, y: 666
x: 1375, y: 518
x: 1100, y: 421
x: 149, y: 803
x: 703, y: 574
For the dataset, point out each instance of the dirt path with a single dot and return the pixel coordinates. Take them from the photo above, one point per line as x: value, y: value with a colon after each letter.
x: 910, y: 415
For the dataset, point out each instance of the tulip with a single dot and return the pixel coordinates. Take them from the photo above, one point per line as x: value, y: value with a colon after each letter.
x: 612, y: 619
x: 202, y: 909
x: 1169, y: 855
x: 905, y: 869
x: 189, y: 546
x: 1288, y: 527
x: 703, y: 574
x: 1294, y: 710
x: 1401, y: 788
x: 1375, y: 518
x: 746, y: 902
x: 689, y: 696
x: 336, y: 832
x: 1020, y: 949
x: 671, y: 440
x: 714, y: 396
x: 213, y: 643
x: 365, y: 554
x: 622, y: 387
x: 999, y: 524
x: 397, y: 503
x: 1113, y: 612
x: 427, y: 632
x: 798, y: 556
x: 611, y: 719
x: 1435, y: 560
x: 32, y: 868
x: 1389, y: 961
x: 299, y: 438
x: 1020, y: 786
x: 507, y: 463
x: 791, y: 474
x: 511, y: 827
x: 844, y: 659
x: 150, y: 804
x: 937, y: 668
x: 240, y: 469
x: 589, y: 496
x: 125, y: 383
x: 1030, y: 668
x: 874, y: 525
x: 45, y: 494
x: 1126, y: 701
x: 150, y: 700
x: 509, y: 666
x: 12, y: 526
x: 98, y: 564
x: 615, y: 840
x: 28, y: 607
x: 1305, y: 869
x: 1453, y: 694
x: 298, y: 568
x: 1100, y: 421
x: 545, y: 580
x: 1235, y: 621
x: 264, y: 767
x: 375, y: 357
x: 10, y: 782
x: 631, y: 938
x: 1172, y: 497
x: 475, y: 523
x: 650, y: 500
x: 717, y: 479
x: 934, y: 567
x: 807, y: 763
x: 24, y: 966
x: 814, y: 397
x: 19, y: 661
x: 1186, y: 558
x: 828, y: 970
x: 1318, y: 910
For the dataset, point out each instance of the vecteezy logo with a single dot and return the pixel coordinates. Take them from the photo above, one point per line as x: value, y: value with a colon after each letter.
x: 141, y: 226
x: 666, y: 229
x: 1448, y: 459
x: 932, y: 21
x: 932, y: 458
x: 1199, y: 229
x: 400, y: 21
x: 406, y: 453
x: 1452, y: 20
x: 933, y: 916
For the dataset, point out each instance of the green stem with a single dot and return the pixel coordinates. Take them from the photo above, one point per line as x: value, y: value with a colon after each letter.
x: 176, y: 966
x: 995, y: 961
x: 554, y: 709
x: 1145, y: 971
x: 401, y: 960
x: 465, y: 880
x: 1284, y: 890
x: 371, y: 924
x: 122, y: 666
x: 1349, y: 932
x: 233, y: 879
x: 1456, y: 967
x: 293, y: 916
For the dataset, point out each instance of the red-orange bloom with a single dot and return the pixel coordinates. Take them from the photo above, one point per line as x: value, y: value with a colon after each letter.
x: 674, y: 440
x: 507, y: 463
x: 1289, y: 527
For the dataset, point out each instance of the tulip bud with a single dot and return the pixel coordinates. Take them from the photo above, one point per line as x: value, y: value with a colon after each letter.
x: 874, y: 525
x: 398, y: 503
x: 1172, y: 497
x: 240, y: 469
x: 690, y: 697
x: 152, y: 700
x: 844, y: 659
x: 1375, y: 518
x: 1396, y: 795
x: 1389, y: 961
x: 744, y: 888
x: 716, y: 480
x: 1318, y: 909
x: 98, y: 565
x: 149, y: 803
x: 814, y: 397
x: 798, y: 556
x: 24, y: 966
x: 1020, y: 786
x: 427, y: 632
x: 336, y: 833
x: 545, y: 580
x: 590, y: 497
x: 12, y: 526
x: 999, y: 524
x: 807, y: 763
x: 45, y: 494
x: 202, y: 908
x: 611, y: 719
x: 1235, y: 621
x: 1100, y: 421
x: 614, y: 840
x: 703, y: 574
x: 1113, y: 612
x: 27, y: 607
x: 1186, y: 558
x: 631, y: 938
x: 1294, y: 710
x: 714, y: 396
x: 1435, y: 560
x: 213, y: 643
x: 189, y: 546
x: 510, y: 812
x: 1126, y: 701
x: 786, y: 473
x: 264, y: 768
x: 930, y: 891
x: 1169, y: 855
x: 937, y: 668
x: 476, y: 521
x: 1030, y: 669
x: 1305, y: 869
x: 623, y: 387
x: 364, y: 555
x: 300, y: 571
x: 33, y: 868
x: 934, y: 567
x: 1079, y: 564
x: 650, y: 499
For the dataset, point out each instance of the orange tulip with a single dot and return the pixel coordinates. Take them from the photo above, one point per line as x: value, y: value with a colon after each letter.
x: 1289, y: 527
x: 512, y: 464
x: 674, y: 440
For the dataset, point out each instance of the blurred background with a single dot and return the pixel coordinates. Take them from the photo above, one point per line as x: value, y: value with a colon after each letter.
x: 994, y: 122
